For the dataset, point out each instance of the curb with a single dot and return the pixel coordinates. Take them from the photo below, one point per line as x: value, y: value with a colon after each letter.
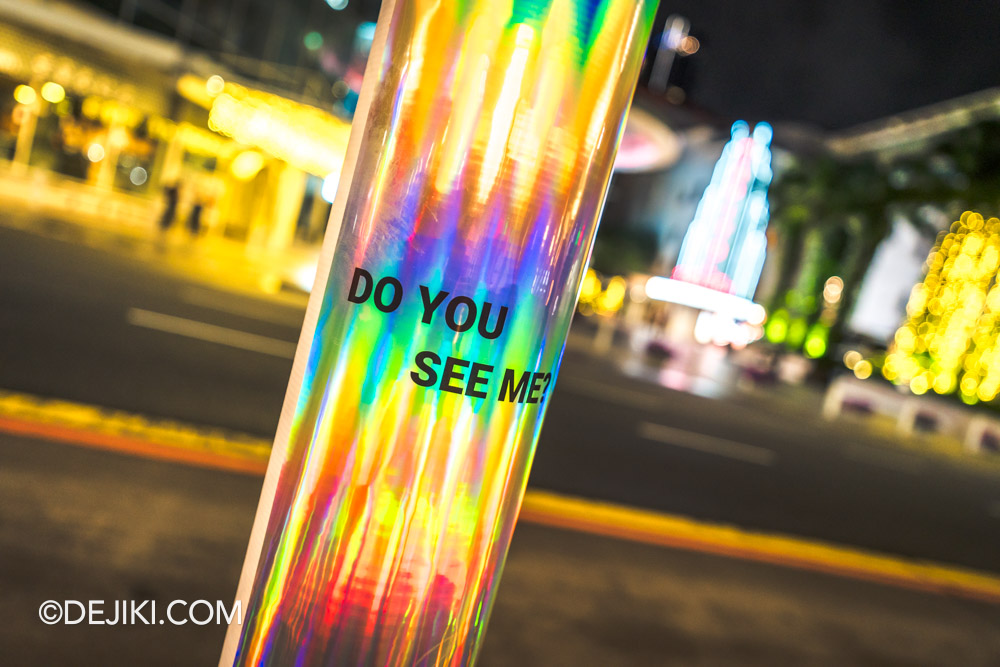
x: 129, y: 433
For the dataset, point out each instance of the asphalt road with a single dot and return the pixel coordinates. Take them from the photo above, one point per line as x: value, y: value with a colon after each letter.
x: 111, y: 527
x: 112, y: 329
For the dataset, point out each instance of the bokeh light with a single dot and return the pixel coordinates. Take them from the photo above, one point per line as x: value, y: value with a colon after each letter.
x: 776, y: 329
x: 949, y: 341
x: 815, y: 341
x: 246, y: 165
x: 313, y: 40
x: 833, y: 289
x: 215, y: 85
x: 138, y: 176
x: 688, y: 46
x: 851, y: 358
x: 596, y: 297
x: 53, y: 93
x: 95, y: 152
x: 25, y: 94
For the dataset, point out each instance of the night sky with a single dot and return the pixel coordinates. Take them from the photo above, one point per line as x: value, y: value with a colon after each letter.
x: 836, y: 63
x: 831, y: 63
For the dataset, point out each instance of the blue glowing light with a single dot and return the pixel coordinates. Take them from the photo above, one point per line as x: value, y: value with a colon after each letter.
x: 725, y: 244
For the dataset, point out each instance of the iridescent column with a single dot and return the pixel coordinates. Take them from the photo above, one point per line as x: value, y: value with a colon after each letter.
x: 475, y: 176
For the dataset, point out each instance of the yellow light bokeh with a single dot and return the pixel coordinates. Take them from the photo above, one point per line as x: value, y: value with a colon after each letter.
x: 919, y: 385
x: 954, y: 316
x: 596, y: 298
x: 246, y: 165
x: 943, y: 384
x: 851, y: 358
x: 591, y: 287
x: 53, y: 93
x: 306, y: 137
x: 95, y: 152
x: 612, y: 299
x: 833, y: 289
x: 25, y: 94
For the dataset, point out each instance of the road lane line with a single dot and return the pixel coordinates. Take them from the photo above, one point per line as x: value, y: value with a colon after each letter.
x: 210, y: 332
x: 608, y: 393
x: 130, y: 434
x: 254, y: 310
x: 708, y: 444
x: 884, y: 458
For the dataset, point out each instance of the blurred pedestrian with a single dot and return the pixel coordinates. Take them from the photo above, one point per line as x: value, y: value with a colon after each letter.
x: 171, y: 195
x: 194, y: 217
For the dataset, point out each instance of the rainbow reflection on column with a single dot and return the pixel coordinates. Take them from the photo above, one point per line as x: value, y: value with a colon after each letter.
x: 483, y: 162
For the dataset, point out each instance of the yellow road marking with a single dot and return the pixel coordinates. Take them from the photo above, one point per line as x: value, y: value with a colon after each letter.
x: 132, y: 434
x: 683, y: 533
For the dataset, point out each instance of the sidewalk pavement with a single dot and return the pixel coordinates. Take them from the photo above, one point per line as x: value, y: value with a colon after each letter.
x: 127, y: 225
x: 570, y: 599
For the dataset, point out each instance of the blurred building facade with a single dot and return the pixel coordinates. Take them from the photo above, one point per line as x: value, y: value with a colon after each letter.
x: 908, y: 144
x: 100, y: 119
x: 654, y: 204
x: 857, y: 214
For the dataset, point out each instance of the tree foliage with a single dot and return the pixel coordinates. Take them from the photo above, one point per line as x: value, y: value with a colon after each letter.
x: 829, y: 213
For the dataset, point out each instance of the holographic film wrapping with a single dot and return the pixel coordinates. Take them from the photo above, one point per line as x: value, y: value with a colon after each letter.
x: 482, y: 160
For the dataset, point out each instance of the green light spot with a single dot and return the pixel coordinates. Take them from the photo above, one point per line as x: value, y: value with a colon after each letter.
x: 313, y: 41
x: 815, y: 344
x: 776, y: 328
x: 796, y: 332
x: 815, y: 347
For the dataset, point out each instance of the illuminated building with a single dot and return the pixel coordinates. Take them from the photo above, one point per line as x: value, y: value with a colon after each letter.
x: 949, y: 340
x: 667, y: 158
x: 105, y: 116
x: 724, y: 247
x: 723, y: 251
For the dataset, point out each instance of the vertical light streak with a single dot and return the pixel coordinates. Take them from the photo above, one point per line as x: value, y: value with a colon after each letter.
x: 503, y: 114
x: 724, y: 246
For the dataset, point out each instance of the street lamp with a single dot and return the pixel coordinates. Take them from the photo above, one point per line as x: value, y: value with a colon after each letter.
x: 675, y: 31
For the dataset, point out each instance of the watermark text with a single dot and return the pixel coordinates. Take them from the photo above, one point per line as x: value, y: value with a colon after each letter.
x: 140, y: 612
